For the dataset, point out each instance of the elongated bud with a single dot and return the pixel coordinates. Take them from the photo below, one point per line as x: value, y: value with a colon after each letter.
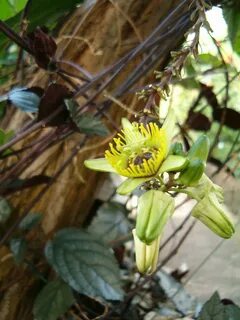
x: 193, y: 173
x: 210, y: 212
x: 205, y: 186
x: 154, y: 209
x: 146, y: 255
x: 177, y: 149
x: 200, y: 149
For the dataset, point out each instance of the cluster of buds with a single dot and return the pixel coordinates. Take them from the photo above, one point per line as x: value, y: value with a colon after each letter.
x: 146, y: 156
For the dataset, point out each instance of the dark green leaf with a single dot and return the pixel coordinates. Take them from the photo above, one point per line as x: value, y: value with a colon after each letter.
x: 53, y: 301
x: 91, y: 125
x: 5, y: 210
x: 41, y: 12
x: 5, y: 136
x: 232, y: 17
x: 111, y: 222
x: 232, y: 312
x: 30, y: 221
x: 18, y: 247
x: 213, y: 309
x: 86, y: 123
x: 84, y: 263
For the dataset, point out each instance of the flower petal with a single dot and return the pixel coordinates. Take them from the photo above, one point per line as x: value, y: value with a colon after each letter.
x: 130, y: 184
x: 173, y: 163
x: 100, y: 164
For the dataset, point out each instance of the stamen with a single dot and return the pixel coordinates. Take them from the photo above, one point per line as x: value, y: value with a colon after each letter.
x: 138, y: 150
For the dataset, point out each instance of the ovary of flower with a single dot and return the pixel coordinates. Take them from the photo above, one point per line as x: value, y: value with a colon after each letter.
x: 138, y: 151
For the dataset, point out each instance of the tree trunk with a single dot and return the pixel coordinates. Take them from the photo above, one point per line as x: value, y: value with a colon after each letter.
x: 94, y: 37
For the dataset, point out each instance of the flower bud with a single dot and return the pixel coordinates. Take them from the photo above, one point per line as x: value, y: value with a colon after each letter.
x: 192, y: 174
x: 146, y: 255
x: 154, y: 209
x: 205, y: 186
x: 177, y: 149
x: 210, y: 212
x: 200, y: 149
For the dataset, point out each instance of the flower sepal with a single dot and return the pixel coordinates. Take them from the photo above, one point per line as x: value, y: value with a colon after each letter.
x: 129, y: 185
x: 100, y: 164
x: 154, y: 209
x: 173, y: 163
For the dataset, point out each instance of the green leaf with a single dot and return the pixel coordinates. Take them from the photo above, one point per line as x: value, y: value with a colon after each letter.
x: 18, y: 247
x: 232, y: 17
x: 5, y: 136
x: 90, y: 125
x: 86, y: 123
x: 41, y: 12
x: 10, y: 8
x: 30, y: 221
x: 111, y: 222
x: 213, y: 309
x: 232, y: 311
x: 5, y: 210
x: 84, y: 263
x: 130, y: 185
x: 53, y: 301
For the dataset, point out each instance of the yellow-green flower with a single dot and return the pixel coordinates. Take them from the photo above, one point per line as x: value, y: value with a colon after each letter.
x: 140, y: 152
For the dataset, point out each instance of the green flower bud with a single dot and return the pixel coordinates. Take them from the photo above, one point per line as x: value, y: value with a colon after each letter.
x: 200, y: 149
x: 210, y: 212
x: 192, y: 174
x: 204, y: 187
x: 146, y: 255
x: 177, y: 149
x: 154, y: 209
